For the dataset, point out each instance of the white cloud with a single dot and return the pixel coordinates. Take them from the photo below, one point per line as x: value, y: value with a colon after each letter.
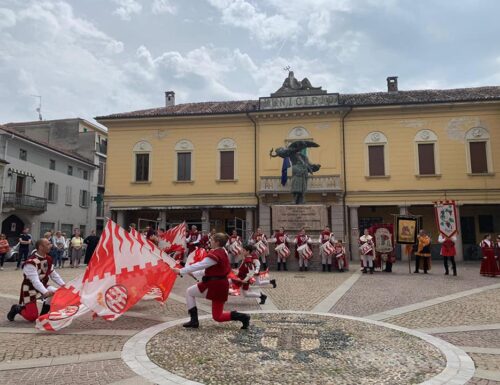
x: 163, y: 6
x: 127, y: 8
x: 7, y: 18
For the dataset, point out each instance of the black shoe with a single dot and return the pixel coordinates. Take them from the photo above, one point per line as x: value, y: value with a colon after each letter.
x: 244, y: 318
x: 416, y: 272
x: 301, y: 268
x: 284, y: 266
x: 446, y: 273
x: 365, y: 271
x: 14, y: 310
x: 324, y: 267
x: 455, y: 274
x: 341, y: 270
x: 193, y: 323
x: 329, y: 268
x: 263, y: 298
x: 273, y: 282
x: 279, y: 266
x: 425, y: 272
x: 264, y: 266
x: 371, y: 270
x: 45, y: 309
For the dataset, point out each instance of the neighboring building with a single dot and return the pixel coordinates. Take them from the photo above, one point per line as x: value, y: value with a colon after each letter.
x: 381, y: 153
x: 77, y: 136
x: 45, y: 188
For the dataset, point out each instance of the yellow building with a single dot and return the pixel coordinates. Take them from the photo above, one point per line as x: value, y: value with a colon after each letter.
x: 381, y: 154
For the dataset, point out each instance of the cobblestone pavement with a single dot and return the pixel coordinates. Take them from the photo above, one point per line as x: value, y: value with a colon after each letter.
x: 296, y: 291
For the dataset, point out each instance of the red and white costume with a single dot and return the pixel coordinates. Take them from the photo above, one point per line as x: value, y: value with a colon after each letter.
x: 367, y: 251
x: 246, y: 276
x: 36, y: 273
x: 300, y: 241
x: 326, y: 256
x: 234, y: 246
x: 489, y: 265
x: 259, y: 238
x: 280, y: 238
x: 448, y: 252
x: 193, y: 240
x: 339, y: 254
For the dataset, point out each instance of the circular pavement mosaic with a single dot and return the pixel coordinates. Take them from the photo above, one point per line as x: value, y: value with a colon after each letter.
x: 282, y: 348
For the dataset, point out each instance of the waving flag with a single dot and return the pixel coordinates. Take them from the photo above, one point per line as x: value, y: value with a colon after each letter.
x: 284, y: 170
x: 174, y: 239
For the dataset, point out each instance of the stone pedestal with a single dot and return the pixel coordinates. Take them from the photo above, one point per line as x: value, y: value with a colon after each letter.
x: 293, y: 217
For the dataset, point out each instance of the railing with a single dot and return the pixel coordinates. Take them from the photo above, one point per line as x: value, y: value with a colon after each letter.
x: 315, y: 184
x: 24, y: 202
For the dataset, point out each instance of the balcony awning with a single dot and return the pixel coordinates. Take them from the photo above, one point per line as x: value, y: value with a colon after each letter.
x: 20, y: 172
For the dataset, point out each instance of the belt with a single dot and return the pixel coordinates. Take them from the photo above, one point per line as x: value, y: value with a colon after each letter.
x: 213, y: 278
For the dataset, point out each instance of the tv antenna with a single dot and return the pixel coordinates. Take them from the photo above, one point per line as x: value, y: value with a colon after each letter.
x: 39, y: 108
x: 287, y: 68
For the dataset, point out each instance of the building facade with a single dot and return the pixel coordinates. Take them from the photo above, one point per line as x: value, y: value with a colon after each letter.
x: 81, y: 137
x: 381, y: 154
x: 44, y: 188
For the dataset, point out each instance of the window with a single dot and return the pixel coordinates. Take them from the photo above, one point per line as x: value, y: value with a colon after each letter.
x: 83, y: 228
x: 183, y: 166
x: 227, y: 151
x: 142, y: 161
x: 376, y: 160
x: 478, y: 151
x: 68, y: 200
x: 84, y: 198
x: 227, y: 165
x: 45, y: 227
x: 426, y: 153
x: 52, y: 164
x: 70, y: 170
x: 85, y: 174
x: 141, y: 167
x: 486, y: 224
x: 184, y: 161
x: 67, y: 228
x: 23, y: 154
x: 102, y: 174
x: 51, y: 192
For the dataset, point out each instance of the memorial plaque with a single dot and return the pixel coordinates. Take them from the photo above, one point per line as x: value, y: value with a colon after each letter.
x: 294, y: 217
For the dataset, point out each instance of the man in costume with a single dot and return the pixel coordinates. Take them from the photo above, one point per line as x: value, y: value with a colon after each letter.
x: 367, y: 250
x: 281, y: 245
x: 234, y: 248
x: 205, y: 240
x: 214, y: 285
x: 246, y: 276
x: 448, y: 252
x: 339, y: 255
x: 325, y: 247
x: 37, y: 270
x: 259, y: 240
x: 423, y: 253
x: 193, y: 239
x: 489, y: 266
x: 302, y: 249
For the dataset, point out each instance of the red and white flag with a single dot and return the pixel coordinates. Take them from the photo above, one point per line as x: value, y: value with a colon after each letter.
x: 174, y: 239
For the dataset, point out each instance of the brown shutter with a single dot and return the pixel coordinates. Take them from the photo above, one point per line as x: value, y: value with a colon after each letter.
x: 376, y: 160
x: 227, y: 165
x: 183, y: 166
x: 426, y: 165
x: 478, y: 160
x: 142, y: 167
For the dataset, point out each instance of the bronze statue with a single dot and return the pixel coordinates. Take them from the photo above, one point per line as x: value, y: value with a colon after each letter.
x: 301, y: 167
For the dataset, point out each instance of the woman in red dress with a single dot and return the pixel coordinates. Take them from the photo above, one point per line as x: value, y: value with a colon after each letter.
x: 214, y: 285
x: 489, y: 266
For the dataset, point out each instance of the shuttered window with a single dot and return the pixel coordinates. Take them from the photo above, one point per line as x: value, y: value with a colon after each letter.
x: 376, y: 160
x: 478, y: 158
x: 141, y: 167
x: 227, y: 165
x: 426, y: 164
x: 183, y: 166
x: 51, y: 192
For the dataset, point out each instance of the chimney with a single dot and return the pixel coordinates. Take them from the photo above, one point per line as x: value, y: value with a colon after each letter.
x: 169, y: 98
x: 392, y: 83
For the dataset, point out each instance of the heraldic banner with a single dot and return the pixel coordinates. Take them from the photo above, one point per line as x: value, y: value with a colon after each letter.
x: 446, y: 218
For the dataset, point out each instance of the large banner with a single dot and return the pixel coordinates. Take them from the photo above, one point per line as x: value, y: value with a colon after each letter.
x: 384, y: 242
x: 446, y: 218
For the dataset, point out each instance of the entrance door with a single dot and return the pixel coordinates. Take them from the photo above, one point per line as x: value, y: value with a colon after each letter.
x: 20, y: 185
x: 471, y: 250
x: 12, y: 227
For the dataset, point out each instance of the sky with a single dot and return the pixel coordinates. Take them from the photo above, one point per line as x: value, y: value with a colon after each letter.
x: 88, y: 58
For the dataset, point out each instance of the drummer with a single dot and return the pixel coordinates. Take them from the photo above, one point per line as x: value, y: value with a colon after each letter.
x: 259, y: 240
x: 326, y: 241
x: 281, y: 238
x: 234, y: 247
x: 303, y: 250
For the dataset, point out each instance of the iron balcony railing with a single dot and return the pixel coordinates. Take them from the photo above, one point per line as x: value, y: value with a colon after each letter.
x: 24, y: 202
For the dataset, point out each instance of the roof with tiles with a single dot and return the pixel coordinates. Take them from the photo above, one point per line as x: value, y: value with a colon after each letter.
x: 476, y: 94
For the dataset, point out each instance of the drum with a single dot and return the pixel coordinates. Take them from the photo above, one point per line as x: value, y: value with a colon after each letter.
x: 235, y: 248
x: 327, y: 248
x: 305, y: 251
x: 282, y: 250
x: 261, y: 248
x: 365, y: 248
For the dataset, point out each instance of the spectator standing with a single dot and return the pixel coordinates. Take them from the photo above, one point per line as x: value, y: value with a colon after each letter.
x: 25, y: 240
x: 91, y: 241
x: 75, y: 249
x: 4, y: 249
x: 59, y: 242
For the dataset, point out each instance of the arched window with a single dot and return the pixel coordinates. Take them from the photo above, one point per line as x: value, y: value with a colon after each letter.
x: 227, y: 159
x: 478, y: 151
x: 184, y: 164
x: 376, y: 155
x: 426, y: 153
x: 142, y: 161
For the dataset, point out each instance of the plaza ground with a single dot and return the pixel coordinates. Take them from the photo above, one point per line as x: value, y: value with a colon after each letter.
x: 463, y: 310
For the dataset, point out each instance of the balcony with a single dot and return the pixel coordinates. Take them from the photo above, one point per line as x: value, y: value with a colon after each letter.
x: 17, y: 201
x: 315, y: 184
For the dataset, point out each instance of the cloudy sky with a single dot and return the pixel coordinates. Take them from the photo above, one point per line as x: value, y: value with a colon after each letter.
x: 96, y: 57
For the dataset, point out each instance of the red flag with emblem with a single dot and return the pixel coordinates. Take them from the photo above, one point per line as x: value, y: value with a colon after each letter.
x: 175, y: 239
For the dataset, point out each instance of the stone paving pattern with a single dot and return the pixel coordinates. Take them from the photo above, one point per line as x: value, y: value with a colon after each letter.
x: 296, y: 291
x: 292, y: 348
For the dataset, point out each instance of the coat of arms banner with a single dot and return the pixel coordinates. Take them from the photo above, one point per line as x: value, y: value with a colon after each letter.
x: 446, y: 218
